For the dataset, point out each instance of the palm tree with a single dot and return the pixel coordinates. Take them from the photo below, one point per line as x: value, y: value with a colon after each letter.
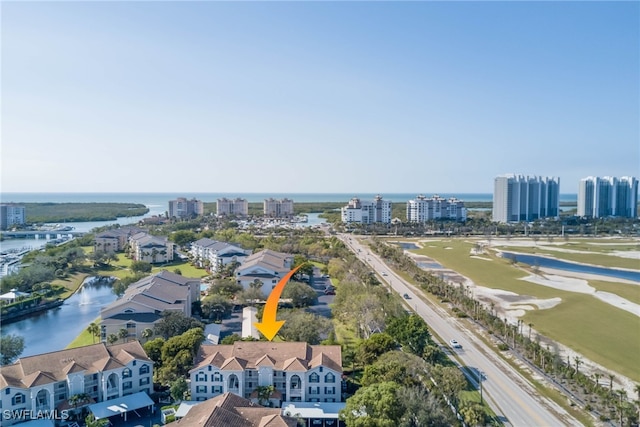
x: 611, y: 377
x: 94, y: 330
x: 147, y: 333
x: 123, y: 334
x: 579, y: 362
x: 112, y: 338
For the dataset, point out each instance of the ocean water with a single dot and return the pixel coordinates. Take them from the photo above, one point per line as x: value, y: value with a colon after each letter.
x: 160, y: 201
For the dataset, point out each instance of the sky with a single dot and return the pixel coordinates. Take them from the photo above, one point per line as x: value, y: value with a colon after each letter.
x: 316, y: 97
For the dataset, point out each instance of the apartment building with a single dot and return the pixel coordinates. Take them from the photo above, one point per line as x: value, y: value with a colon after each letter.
x: 278, y: 208
x: 266, y: 266
x: 423, y: 209
x: 151, y: 249
x: 601, y: 197
x: 235, y: 207
x: 115, y: 240
x: 525, y: 198
x: 11, y: 214
x: 216, y: 254
x: 182, y: 208
x: 299, y: 372
x: 367, y: 212
x: 46, y: 382
x: 143, y: 302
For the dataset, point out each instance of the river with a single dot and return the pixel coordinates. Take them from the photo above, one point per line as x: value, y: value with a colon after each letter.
x: 572, y: 266
x: 54, y: 329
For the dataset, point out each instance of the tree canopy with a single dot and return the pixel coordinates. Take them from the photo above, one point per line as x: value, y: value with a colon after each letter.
x: 11, y: 347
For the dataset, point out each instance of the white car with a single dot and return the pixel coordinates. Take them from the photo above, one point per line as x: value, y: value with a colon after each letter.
x: 455, y: 344
x: 384, y: 273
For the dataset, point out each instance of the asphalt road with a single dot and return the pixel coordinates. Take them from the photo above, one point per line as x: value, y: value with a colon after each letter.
x: 509, y: 394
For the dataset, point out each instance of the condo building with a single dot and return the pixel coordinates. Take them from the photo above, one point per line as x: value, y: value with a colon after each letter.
x: 367, y: 212
x: 10, y: 215
x: 298, y: 372
x: 525, y: 198
x: 608, y: 196
x: 183, y: 208
x: 235, y: 207
x: 47, y: 382
x: 278, y: 208
x: 422, y: 209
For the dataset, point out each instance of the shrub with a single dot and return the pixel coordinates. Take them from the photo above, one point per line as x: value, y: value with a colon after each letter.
x: 503, y: 347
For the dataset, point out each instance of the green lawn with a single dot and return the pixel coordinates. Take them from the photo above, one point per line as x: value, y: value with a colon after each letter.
x: 70, y: 283
x: 626, y: 291
x: 85, y: 338
x: 602, y: 333
x: 121, y: 267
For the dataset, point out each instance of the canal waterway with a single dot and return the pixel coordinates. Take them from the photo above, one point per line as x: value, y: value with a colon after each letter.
x: 539, y: 261
x: 54, y: 329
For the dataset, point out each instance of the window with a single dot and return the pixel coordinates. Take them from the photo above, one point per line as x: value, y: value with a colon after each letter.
x: 216, y: 389
x: 217, y: 377
x: 314, y: 378
x: 144, y: 381
x: 314, y: 390
x: 61, y: 385
x: 209, y: 368
x: 200, y: 377
x: 329, y: 390
x: 144, y: 369
x: 126, y: 373
x: 329, y: 378
x: 295, y: 382
x: 233, y: 382
x: 201, y: 389
x: 131, y: 325
x: 17, y: 399
x: 127, y: 385
x: 250, y: 384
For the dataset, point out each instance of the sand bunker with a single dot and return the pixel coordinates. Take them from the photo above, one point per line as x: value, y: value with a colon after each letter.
x: 572, y: 284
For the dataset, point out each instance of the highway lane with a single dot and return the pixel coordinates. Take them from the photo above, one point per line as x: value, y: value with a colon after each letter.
x: 509, y: 394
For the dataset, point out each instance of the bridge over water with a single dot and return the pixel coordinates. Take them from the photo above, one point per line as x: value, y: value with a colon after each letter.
x: 42, y: 234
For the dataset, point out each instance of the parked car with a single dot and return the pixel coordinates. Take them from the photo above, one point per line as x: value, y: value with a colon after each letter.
x: 329, y: 292
x: 455, y: 344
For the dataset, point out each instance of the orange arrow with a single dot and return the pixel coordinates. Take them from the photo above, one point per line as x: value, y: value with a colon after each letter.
x: 269, y: 325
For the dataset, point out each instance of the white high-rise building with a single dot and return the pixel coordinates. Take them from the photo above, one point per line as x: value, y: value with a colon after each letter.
x: 607, y: 196
x: 10, y: 215
x: 278, y: 208
x: 367, y: 212
x: 525, y: 198
x: 422, y: 209
x: 183, y: 208
x: 236, y: 207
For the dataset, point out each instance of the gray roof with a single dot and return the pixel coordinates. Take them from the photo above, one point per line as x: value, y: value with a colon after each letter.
x: 268, y: 259
x: 214, y: 245
x: 162, y: 291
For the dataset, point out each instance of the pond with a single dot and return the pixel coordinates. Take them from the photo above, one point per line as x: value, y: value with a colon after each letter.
x: 571, y: 266
x: 54, y: 329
